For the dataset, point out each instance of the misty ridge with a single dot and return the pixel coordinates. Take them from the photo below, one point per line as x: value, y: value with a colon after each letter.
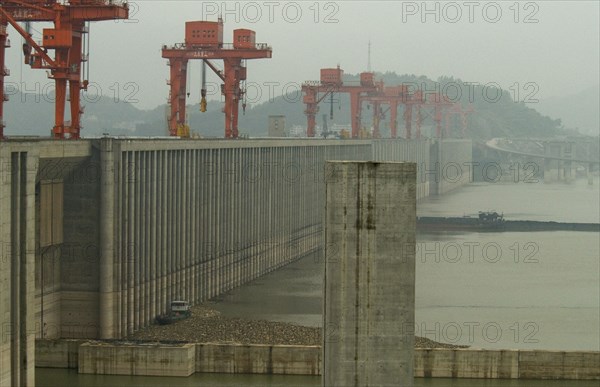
x: 498, y: 112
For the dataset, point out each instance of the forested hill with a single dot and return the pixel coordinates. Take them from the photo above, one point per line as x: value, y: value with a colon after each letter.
x: 496, y: 114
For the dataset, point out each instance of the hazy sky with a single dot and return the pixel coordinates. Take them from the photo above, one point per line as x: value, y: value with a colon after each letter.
x: 553, y: 44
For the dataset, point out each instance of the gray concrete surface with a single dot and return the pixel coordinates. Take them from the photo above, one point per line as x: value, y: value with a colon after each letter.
x: 19, y: 167
x: 369, y: 283
x: 463, y: 364
x: 97, y: 236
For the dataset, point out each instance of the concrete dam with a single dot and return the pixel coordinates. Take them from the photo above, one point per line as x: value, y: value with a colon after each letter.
x: 97, y: 236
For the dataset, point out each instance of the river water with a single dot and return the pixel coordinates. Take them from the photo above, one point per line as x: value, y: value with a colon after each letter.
x: 62, y: 378
x: 538, y: 290
x: 511, y: 290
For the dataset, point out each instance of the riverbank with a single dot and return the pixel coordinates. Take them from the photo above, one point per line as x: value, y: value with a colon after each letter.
x: 207, y: 325
x: 209, y: 342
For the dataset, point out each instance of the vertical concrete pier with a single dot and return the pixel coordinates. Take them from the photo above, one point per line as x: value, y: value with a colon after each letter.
x: 369, y: 285
x: 557, y: 166
x: 106, y: 296
x: 17, y: 272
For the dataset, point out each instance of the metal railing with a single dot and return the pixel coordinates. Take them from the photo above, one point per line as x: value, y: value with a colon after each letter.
x: 119, y: 3
x: 224, y: 46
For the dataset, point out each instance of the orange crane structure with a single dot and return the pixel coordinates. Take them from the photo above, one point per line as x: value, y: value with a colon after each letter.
x: 204, y: 40
x: 401, y: 95
x: 67, y: 41
x: 433, y: 104
x: 463, y: 113
x: 415, y: 100
x: 376, y: 94
x: 438, y: 104
x: 393, y: 96
x: 331, y: 82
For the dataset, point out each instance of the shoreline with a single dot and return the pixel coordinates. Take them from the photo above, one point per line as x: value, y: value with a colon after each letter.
x: 159, y: 351
x: 207, y: 325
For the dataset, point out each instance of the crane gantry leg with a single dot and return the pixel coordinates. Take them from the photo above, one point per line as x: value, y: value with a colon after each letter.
x: 394, y: 119
x: 177, y: 96
x: 438, y: 120
x: 355, y: 111
x: 419, y: 121
x: 408, y: 120
x: 75, y: 84
x: 3, y: 72
x: 233, y: 72
x: 376, y: 119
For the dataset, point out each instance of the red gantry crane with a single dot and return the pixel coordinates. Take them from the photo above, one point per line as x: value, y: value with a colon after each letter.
x: 66, y: 39
x: 331, y: 82
x: 463, y: 113
x: 393, y: 96
x: 204, y: 40
x: 415, y: 100
x: 433, y: 104
x: 377, y: 94
x: 439, y: 106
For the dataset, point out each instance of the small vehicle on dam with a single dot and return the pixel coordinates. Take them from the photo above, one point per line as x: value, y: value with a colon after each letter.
x: 178, y: 310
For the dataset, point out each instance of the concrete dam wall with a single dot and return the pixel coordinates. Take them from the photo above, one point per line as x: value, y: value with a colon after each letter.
x: 151, y: 358
x: 190, y: 223
x: 31, y: 216
x: 413, y: 151
x: 442, y: 166
x: 450, y: 165
x: 97, y: 236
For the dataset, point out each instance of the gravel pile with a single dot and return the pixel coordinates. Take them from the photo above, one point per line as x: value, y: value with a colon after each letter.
x: 207, y: 325
x: 423, y: 342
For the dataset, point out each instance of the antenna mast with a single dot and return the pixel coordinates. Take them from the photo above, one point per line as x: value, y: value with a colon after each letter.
x: 369, y: 58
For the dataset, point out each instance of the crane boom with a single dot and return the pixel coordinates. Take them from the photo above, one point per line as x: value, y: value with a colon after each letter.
x: 66, y: 40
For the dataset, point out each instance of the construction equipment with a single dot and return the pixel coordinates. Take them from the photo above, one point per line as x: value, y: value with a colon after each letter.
x: 437, y: 103
x: 67, y: 41
x: 204, y: 41
x: 178, y: 310
x: 376, y: 94
x: 331, y: 82
x: 393, y: 96
x: 463, y: 113
x: 430, y: 104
